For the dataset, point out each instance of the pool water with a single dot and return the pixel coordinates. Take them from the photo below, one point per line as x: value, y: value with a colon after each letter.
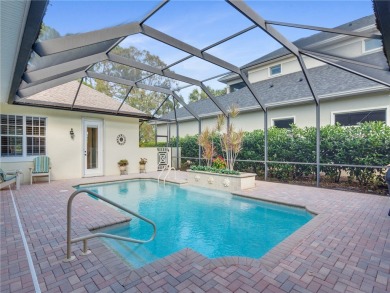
x: 213, y: 223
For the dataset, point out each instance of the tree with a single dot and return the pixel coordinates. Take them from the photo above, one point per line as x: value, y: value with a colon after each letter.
x: 195, y: 95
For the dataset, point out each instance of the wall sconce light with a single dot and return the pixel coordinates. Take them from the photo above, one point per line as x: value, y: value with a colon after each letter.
x: 71, y: 133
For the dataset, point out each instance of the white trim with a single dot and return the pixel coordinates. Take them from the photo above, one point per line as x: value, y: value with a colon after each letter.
x: 364, y: 51
x: 24, y: 157
x: 371, y: 27
x: 282, y: 118
x: 387, y: 108
x: 277, y: 74
x: 99, y: 171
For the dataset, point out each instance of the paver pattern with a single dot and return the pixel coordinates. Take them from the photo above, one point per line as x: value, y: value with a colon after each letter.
x: 345, y: 248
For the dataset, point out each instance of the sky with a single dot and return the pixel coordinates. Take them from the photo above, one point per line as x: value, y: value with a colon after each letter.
x: 202, y: 23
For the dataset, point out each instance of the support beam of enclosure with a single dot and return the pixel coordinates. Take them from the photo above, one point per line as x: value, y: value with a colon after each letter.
x: 265, y: 145
x: 159, y: 36
x: 248, y: 12
x: 77, y: 93
x: 128, y: 82
x: 308, y: 79
x: 141, y: 66
x: 252, y: 90
x: 306, y: 53
x: 328, y: 30
x: 177, y: 135
x: 199, y: 147
x: 185, y: 105
x: 339, y: 58
x: 159, y: 107
x: 125, y: 98
x: 212, y: 98
x: 157, y: 8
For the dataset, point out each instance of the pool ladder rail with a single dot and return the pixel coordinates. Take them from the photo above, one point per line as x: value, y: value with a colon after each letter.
x: 166, y: 175
x: 69, y: 239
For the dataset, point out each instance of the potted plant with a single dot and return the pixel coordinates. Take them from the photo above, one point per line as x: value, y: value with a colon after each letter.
x: 142, y: 163
x: 123, y: 166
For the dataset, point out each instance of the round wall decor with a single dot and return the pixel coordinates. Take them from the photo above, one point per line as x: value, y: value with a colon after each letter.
x: 121, y: 139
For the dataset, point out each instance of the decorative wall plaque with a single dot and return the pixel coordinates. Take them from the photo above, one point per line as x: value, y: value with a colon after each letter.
x: 121, y: 139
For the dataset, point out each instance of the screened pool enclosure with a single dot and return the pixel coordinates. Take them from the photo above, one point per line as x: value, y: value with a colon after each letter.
x: 168, y: 48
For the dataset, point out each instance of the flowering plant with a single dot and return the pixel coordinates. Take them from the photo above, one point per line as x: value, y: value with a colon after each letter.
x: 219, y: 163
x: 143, y: 161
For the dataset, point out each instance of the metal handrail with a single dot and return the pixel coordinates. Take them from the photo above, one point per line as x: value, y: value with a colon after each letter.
x: 69, y: 239
x: 162, y: 171
x: 169, y: 170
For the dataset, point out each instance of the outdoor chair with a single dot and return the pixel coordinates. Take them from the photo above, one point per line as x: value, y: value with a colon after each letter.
x: 41, y: 168
x: 9, y: 177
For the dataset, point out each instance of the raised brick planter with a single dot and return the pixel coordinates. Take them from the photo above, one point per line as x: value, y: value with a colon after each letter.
x: 225, y: 182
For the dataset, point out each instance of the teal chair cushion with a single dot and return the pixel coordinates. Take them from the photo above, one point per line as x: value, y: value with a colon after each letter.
x: 41, y: 164
x: 6, y: 177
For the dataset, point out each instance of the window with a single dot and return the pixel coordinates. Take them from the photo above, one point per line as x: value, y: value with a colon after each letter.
x: 22, y: 136
x: 353, y: 118
x: 11, y: 136
x: 283, y: 123
x: 35, y: 133
x: 372, y: 44
x: 274, y: 70
x: 236, y: 86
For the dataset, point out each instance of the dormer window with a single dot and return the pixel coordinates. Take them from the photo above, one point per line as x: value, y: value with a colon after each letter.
x: 371, y: 45
x: 236, y: 86
x: 275, y: 70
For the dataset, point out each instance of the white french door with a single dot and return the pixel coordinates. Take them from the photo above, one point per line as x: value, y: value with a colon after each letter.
x: 92, y: 147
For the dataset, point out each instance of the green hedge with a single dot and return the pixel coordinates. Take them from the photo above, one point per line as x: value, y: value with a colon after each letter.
x: 365, y: 144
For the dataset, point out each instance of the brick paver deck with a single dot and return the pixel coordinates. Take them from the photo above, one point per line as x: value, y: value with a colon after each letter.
x: 345, y: 248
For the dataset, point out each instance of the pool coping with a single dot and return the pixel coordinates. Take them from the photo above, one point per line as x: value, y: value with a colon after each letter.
x: 269, y: 260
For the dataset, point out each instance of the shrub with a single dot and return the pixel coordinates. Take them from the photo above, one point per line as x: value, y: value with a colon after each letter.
x: 365, y: 144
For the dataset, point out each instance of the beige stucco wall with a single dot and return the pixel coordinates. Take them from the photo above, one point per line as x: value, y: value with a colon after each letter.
x: 303, y: 114
x: 66, y: 155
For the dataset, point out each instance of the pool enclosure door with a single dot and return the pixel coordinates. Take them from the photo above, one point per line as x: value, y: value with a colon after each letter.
x: 92, y: 147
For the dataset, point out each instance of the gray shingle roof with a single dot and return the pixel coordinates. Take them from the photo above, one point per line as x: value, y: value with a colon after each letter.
x: 87, y: 98
x: 319, y: 37
x: 304, y: 42
x: 292, y: 87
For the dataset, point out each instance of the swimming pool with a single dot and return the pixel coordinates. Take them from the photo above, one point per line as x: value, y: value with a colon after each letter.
x: 213, y: 223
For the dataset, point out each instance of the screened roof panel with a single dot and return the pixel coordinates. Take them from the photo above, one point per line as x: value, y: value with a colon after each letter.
x: 198, y: 23
x: 119, y: 70
x: 247, y: 47
x: 88, y: 16
x: 148, y: 51
x: 197, y: 68
x: 145, y: 100
x: 317, y: 13
x: 162, y: 81
x: 216, y: 87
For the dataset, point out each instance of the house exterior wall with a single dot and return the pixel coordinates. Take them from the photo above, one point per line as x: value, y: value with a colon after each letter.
x: 344, y: 46
x: 303, y: 114
x: 66, y: 154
